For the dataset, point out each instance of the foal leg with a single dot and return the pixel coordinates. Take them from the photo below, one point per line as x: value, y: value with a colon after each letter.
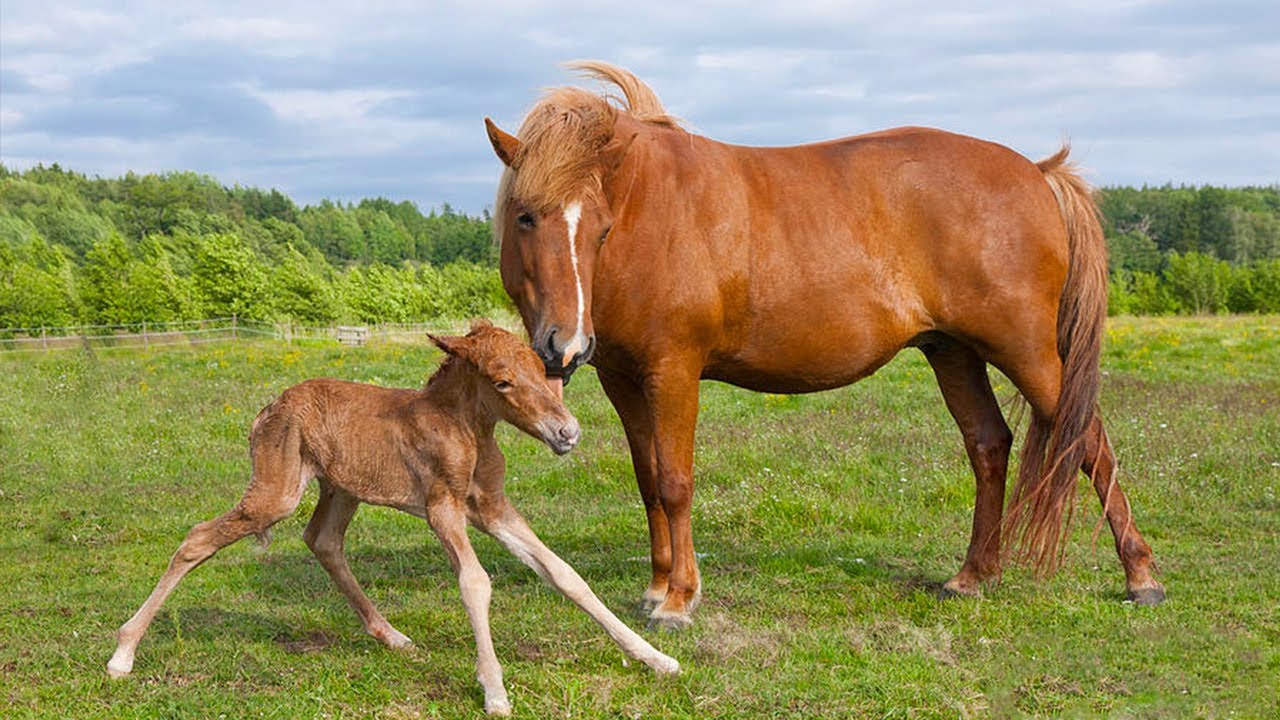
x: 449, y: 523
x: 499, y: 519
x: 268, y: 500
x: 633, y: 409
x: 325, y: 534
x: 962, y: 377
x: 1135, y: 555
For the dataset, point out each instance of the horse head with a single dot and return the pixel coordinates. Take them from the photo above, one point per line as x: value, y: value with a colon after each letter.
x: 552, y: 216
x: 549, y: 248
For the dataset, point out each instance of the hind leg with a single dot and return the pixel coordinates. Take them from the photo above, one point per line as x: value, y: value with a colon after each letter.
x: 254, y: 514
x: 1040, y: 382
x: 325, y: 534
x: 962, y: 377
x: 1135, y: 555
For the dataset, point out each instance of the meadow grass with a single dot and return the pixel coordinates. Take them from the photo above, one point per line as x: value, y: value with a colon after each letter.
x: 825, y: 524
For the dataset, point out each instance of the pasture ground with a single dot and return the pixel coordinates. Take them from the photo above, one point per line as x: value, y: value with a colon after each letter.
x: 826, y: 522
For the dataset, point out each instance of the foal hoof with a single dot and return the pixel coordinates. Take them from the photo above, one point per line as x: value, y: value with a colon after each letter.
x: 498, y: 708
x: 953, y: 589
x: 1147, y: 596
x: 398, y: 641
x: 664, y: 665
x: 117, y: 673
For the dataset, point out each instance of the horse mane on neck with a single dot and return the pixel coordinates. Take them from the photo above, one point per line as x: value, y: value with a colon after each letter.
x: 564, y: 135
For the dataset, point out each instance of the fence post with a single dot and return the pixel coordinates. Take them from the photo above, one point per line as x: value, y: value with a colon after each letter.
x: 44, y: 341
x: 145, y: 344
x: 233, y: 326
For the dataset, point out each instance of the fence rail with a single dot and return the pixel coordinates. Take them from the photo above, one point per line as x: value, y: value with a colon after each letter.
x: 196, y: 332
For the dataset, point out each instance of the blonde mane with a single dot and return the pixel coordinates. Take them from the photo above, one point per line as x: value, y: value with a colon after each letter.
x: 566, y: 132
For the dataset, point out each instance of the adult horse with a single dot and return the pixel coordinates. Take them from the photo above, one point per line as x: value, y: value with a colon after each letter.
x: 663, y: 257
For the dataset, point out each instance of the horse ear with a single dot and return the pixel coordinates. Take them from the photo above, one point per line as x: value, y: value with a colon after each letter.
x: 504, y: 144
x: 479, y: 324
x: 453, y: 345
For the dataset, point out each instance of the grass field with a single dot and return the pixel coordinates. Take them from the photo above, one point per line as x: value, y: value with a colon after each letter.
x: 826, y: 523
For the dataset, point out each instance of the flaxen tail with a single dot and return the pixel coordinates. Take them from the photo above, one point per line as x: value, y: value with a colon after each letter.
x: 1044, y: 495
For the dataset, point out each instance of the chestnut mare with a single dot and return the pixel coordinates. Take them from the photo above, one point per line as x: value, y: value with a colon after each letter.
x: 663, y: 258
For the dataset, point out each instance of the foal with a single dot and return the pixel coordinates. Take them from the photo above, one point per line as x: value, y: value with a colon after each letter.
x: 430, y: 453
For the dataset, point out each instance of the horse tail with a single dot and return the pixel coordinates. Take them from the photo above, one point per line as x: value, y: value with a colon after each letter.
x: 1044, y: 495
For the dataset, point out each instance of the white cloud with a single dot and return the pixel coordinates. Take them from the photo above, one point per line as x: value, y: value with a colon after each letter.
x: 385, y: 97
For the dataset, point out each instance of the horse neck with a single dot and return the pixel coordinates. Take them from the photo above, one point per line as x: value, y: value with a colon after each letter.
x: 650, y: 152
x: 454, y: 392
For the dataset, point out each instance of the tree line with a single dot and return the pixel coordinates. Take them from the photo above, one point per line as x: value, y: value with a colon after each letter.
x: 181, y: 246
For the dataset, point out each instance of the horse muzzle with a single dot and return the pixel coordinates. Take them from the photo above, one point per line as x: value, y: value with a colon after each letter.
x: 561, y: 437
x: 561, y: 358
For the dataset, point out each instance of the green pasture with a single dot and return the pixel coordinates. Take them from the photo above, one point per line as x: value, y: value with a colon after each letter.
x: 825, y: 524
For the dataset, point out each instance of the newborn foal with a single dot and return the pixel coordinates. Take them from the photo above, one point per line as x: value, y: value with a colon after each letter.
x: 428, y: 452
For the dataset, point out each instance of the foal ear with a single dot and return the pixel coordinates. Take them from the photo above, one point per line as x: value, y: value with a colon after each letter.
x: 504, y: 143
x: 453, y: 345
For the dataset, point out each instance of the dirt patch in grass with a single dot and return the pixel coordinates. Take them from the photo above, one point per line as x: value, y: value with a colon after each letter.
x: 724, y: 639
x: 896, y: 636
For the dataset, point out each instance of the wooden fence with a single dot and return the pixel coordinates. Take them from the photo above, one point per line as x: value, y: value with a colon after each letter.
x: 196, y: 332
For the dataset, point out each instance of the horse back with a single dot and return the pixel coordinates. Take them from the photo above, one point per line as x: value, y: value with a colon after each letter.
x: 809, y: 266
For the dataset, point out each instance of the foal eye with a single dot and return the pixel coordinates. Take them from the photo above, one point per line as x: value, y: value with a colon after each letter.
x: 502, y: 385
x: 605, y: 233
x: 526, y: 221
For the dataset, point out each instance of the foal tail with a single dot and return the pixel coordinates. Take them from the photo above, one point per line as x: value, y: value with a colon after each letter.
x: 1044, y: 495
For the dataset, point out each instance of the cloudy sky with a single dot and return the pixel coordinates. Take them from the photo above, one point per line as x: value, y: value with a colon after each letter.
x: 355, y: 99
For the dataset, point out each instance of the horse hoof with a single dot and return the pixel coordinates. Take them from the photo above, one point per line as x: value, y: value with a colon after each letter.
x: 1147, y: 596
x: 646, y: 605
x: 669, y: 621
x: 953, y: 589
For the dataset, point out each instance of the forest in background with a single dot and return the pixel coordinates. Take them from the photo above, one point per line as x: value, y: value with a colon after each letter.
x: 181, y: 246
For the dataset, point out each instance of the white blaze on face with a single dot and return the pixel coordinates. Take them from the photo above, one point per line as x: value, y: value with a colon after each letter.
x: 577, y: 343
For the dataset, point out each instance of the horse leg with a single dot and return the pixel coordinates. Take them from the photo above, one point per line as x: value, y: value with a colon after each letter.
x: 962, y: 377
x: 1135, y: 555
x: 1039, y: 380
x: 633, y: 409
x: 271, y: 497
x: 449, y: 523
x: 325, y: 534
x: 498, y: 518
x: 673, y: 397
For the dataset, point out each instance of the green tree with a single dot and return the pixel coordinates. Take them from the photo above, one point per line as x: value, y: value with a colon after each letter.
x: 1200, y: 283
x: 300, y: 292
x: 229, y: 279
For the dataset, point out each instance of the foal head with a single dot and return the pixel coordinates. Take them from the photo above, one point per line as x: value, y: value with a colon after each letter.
x: 511, y: 384
x: 551, y: 216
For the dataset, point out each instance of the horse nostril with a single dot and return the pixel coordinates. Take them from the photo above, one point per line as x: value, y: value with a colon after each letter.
x: 548, y: 350
x: 570, y: 432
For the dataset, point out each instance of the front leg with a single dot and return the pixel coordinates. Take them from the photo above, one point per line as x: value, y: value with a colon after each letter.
x: 632, y: 406
x: 449, y: 522
x: 498, y: 518
x: 672, y: 393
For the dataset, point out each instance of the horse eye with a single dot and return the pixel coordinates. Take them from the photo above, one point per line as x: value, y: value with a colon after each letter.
x: 526, y: 221
x: 502, y: 385
x: 605, y: 233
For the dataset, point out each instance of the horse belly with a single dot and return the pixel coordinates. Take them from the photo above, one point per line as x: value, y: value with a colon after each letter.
x: 819, y: 351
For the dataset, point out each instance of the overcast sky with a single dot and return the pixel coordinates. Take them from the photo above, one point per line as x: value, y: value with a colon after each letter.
x: 357, y: 99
